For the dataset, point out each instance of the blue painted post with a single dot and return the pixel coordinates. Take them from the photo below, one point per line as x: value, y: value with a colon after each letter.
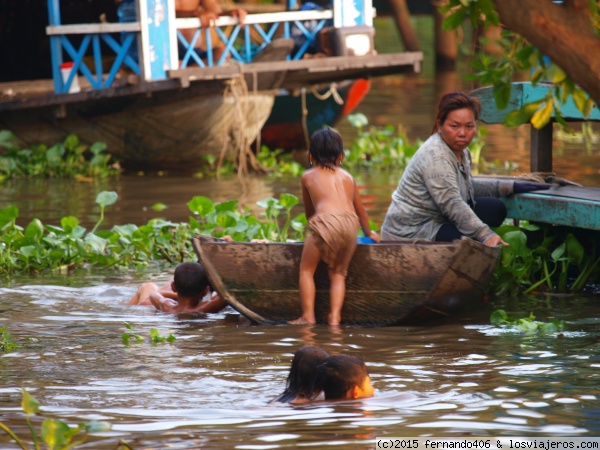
x: 348, y: 13
x: 55, y: 47
x: 159, y: 39
x: 291, y: 4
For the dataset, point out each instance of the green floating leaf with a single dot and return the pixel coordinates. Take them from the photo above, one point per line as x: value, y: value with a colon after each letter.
x: 29, y: 403
x: 358, y: 120
x: 107, y: 198
x: 159, y: 207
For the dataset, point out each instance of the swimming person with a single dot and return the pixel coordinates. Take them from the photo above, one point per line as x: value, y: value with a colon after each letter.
x: 183, y: 294
x: 344, y: 377
x: 300, y: 384
x: 334, y: 211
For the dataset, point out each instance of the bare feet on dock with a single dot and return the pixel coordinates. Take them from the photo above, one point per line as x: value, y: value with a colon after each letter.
x: 303, y: 321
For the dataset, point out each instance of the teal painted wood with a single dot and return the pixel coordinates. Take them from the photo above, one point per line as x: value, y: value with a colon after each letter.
x: 579, y: 207
x: 520, y: 94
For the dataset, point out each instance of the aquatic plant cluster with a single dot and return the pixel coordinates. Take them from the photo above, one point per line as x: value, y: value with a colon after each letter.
x: 69, y: 246
x: 70, y: 158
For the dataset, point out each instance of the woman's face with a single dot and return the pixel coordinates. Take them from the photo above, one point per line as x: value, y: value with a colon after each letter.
x: 459, y: 129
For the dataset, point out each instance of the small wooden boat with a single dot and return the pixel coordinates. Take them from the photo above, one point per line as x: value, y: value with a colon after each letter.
x: 391, y: 283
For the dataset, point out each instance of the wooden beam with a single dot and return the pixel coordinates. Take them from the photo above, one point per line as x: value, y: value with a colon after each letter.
x: 541, y: 149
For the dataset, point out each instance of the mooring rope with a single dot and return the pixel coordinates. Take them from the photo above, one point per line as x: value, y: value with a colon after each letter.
x: 332, y: 91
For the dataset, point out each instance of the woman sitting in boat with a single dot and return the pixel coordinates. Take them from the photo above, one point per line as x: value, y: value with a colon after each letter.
x: 437, y: 198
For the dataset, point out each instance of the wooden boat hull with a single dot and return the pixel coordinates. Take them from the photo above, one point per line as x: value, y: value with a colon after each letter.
x: 165, y: 132
x: 388, y: 284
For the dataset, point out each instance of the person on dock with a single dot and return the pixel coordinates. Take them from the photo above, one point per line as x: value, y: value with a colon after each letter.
x: 207, y: 11
x: 344, y: 377
x: 183, y: 294
x: 300, y: 384
x: 437, y: 198
x: 334, y: 211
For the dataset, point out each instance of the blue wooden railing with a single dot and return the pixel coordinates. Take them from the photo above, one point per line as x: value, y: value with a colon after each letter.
x: 158, y: 33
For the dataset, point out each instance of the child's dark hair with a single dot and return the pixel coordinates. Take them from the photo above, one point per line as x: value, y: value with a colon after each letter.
x: 326, y: 147
x: 301, y: 379
x: 190, y: 279
x: 340, y: 373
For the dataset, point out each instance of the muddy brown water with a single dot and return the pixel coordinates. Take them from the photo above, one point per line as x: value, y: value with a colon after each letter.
x: 211, y: 387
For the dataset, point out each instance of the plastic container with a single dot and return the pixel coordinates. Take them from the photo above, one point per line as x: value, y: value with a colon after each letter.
x: 65, y: 69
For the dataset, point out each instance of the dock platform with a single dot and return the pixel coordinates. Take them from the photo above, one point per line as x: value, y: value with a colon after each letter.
x: 572, y: 206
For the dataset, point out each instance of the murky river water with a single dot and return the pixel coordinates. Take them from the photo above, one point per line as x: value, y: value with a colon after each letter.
x: 211, y: 387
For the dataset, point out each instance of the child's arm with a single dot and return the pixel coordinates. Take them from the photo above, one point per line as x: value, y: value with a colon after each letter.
x: 363, y: 217
x: 214, y: 305
x: 309, y: 208
x: 163, y: 303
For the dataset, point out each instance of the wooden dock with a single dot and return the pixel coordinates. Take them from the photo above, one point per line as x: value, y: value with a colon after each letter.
x: 571, y: 206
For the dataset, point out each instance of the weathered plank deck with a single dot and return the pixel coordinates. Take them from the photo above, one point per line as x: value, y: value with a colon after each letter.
x: 572, y: 206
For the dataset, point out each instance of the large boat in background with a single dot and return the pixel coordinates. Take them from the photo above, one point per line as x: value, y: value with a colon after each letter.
x: 168, y: 108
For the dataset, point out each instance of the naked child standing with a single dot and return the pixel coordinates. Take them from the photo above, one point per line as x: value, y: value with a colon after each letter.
x: 334, y: 211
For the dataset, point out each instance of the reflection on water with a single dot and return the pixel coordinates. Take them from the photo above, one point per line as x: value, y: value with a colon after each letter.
x: 409, y: 101
x: 212, y: 386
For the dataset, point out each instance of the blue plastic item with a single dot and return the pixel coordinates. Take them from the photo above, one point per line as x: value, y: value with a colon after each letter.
x: 365, y: 240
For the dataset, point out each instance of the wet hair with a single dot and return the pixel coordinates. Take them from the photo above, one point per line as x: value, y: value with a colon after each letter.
x: 340, y: 373
x: 453, y: 101
x: 326, y: 147
x: 190, y: 279
x: 301, y: 379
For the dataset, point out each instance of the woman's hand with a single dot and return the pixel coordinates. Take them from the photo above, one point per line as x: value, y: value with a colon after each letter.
x: 494, y: 241
x: 373, y: 235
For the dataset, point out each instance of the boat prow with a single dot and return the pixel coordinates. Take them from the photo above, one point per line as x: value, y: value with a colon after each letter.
x: 404, y: 282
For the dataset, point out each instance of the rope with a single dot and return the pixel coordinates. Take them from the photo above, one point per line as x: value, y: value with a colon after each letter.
x: 332, y: 91
x: 243, y: 157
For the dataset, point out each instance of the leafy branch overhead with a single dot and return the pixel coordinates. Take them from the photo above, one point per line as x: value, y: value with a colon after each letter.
x: 551, y: 42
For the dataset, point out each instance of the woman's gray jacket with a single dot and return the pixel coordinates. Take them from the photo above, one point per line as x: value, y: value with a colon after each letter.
x: 435, y: 189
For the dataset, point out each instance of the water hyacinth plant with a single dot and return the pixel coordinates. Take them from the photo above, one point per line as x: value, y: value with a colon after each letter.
x: 69, y: 246
x: 57, y: 435
x: 70, y: 158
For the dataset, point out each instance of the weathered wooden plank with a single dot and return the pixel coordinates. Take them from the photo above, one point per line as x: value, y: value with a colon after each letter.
x: 541, y: 149
x: 520, y: 94
x: 571, y: 206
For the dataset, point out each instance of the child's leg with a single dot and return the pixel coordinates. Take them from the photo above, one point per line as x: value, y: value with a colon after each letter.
x: 308, y: 264
x: 337, y: 292
x: 142, y: 296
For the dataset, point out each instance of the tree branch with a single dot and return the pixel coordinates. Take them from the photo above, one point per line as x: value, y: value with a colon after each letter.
x: 563, y: 32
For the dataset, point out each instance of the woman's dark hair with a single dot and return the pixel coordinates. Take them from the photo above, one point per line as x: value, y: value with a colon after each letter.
x: 453, y: 101
x: 326, y: 147
x: 340, y: 373
x: 301, y: 379
x: 190, y: 279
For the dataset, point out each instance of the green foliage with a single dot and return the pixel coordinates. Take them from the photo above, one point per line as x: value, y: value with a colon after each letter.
x: 276, y: 163
x: 545, y: 258
x: 67, y: 159
x: 57, y: 435
x: 527, y: 325
x: 379, y: 147
x: 6, y: 343
x: 155, y: 336
x: 518, y: 56
x: 68, y: 246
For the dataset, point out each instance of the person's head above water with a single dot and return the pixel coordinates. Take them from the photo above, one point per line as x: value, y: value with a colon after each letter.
x: 344, y: 377
x: 301, y: 379
x: 326, y: 148
x: 190, y: 280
